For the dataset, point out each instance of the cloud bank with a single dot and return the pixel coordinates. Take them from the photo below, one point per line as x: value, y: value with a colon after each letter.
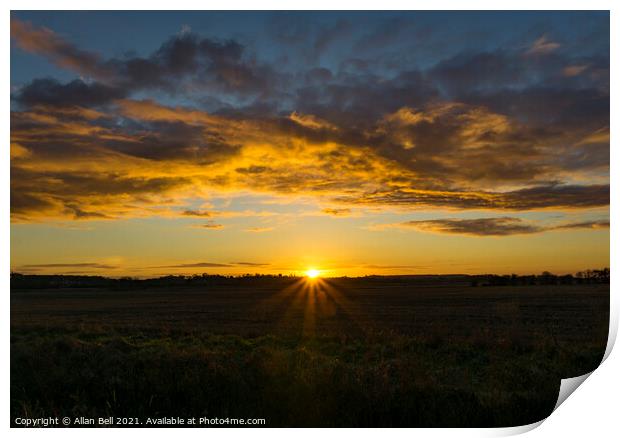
x: 518, y: 129
x: 502, y: 226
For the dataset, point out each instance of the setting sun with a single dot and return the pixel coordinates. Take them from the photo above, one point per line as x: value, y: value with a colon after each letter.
x: 312, y: 273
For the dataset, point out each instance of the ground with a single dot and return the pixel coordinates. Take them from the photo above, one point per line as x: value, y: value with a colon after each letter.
x: 342, y: 352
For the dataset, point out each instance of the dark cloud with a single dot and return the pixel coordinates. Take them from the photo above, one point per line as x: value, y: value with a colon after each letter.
x: 197, y: 265
x: 478, y: 71
x: 183, y: 61
x: 558, y: 196
x: 41, y: 195
x: 53, y: 131
x: 219, y: 64
x: 355, y: 101
x: 534, y: 198
x: 502, y: 226
x: 23, y: 203
x: 69, y: 265
x: 250, y: 264
x: 337, y: 211
x: 75, y: 93
x: 318, y: 76
x: 394, y: 267
x: 548, y: 106
x: 79, y: 213
x: 252, y: 169
x: 197, y: 213
x: 213, y: 265
x: 583, y: 225
x: 166, y: 140
x: 210, y: 226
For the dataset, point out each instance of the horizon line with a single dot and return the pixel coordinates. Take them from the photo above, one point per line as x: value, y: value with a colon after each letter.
x: 246, y: 275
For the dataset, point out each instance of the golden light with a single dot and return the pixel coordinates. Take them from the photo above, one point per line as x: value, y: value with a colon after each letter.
x: 312, y: 273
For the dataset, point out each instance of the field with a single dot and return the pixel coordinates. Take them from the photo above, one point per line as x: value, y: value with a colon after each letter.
x: 384, y: 351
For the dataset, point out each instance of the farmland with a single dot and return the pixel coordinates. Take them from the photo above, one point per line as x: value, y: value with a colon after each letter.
x: 376, y: 351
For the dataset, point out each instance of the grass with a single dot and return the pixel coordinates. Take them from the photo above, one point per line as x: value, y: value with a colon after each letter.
x: 330, y: 382
x: 504, y: 371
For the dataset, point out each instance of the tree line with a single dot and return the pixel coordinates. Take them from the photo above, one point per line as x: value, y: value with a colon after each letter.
x: 24, y: 281
x: 596, y: 276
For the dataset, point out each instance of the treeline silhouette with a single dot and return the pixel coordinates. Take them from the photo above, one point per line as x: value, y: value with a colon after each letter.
x: 27, y: 281
x: 546, y: 278
x: 23, y: 281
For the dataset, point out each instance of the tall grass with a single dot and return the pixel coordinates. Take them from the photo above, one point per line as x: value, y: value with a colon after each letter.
x: 385, y: 379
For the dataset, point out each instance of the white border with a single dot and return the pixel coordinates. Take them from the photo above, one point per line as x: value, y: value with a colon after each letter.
x: 315, y: 5
x: 592, y: 411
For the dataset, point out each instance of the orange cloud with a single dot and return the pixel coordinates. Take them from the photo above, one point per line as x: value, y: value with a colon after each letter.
x: 543, y: 46
x: 45, y: 42
x: 574, y: 70
x: 140, y: 158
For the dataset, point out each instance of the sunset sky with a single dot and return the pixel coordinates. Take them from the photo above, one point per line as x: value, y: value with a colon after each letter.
x: 152, y: 143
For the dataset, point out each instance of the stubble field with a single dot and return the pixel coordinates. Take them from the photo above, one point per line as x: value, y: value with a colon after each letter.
x: 383, y: 351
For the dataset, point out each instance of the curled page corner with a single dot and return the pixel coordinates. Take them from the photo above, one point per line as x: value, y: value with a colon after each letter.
x: 568, y: 386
